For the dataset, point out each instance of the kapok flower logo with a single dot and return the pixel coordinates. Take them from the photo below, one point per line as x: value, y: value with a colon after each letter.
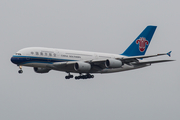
x: 142, y: 43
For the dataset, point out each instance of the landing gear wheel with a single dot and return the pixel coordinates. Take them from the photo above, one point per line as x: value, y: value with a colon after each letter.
x: 87, y: 76
x: 20, y: 71
x: 77, y: 78
x: 69, y: 76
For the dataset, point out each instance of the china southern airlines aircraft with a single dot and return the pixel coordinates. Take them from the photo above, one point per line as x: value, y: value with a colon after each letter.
x: 85, y: 63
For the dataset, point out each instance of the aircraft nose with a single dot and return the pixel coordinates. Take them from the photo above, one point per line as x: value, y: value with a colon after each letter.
x: 14, y: 60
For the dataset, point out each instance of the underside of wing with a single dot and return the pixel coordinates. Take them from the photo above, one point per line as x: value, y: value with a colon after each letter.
x: 145, y: 56
x: 78, y: 66
x: 150, y: 62
x: 132, y: 59
x: 61, y: 65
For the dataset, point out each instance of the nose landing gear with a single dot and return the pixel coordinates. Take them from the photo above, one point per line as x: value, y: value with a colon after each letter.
x: 20, y: 71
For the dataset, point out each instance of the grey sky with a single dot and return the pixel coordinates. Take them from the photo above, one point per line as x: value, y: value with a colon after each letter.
x: 94, y: 25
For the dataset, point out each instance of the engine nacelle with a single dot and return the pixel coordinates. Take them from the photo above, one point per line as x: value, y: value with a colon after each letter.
x: 82, y: 67
x: 41, y: 70
x: 113, y: 63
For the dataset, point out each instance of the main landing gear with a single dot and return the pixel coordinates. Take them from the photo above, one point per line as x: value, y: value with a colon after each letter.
x: 20, y: 71
x: 69, y: 76
x: 87, y: 76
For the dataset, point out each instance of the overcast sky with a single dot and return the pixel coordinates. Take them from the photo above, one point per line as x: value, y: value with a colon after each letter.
x: 109, y: 26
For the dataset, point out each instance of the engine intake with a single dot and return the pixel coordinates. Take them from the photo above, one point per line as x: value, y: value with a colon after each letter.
x: 113, y: 63
x: 41, y: 70
x: 82, y: 67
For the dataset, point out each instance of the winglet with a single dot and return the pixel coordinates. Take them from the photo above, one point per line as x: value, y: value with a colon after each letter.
x: 169, y: 53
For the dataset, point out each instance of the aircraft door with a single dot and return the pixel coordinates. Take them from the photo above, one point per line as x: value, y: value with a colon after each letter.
x: 95, y: 56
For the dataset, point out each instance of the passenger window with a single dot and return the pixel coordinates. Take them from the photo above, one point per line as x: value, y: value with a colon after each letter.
x: 54, y: 55
x: 32, y: 53
x: 41, y: 53
x: 45, y: 54
x: 50, y: 54
x: 18, y: 53
x: 37, y: 53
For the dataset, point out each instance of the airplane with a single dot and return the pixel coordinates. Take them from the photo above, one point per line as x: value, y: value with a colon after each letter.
x: 87, y: 63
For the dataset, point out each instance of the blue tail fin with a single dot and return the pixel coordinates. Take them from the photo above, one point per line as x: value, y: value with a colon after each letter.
x: 141, y: 43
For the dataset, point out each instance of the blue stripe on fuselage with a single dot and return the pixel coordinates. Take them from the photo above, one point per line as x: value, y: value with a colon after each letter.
x: 19, y: 60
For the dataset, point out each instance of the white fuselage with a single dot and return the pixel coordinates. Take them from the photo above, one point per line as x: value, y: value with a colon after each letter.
x: 42, y: 57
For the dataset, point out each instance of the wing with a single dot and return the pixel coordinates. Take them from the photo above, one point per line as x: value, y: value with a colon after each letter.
x: 145, y: 56
x: 99, y: 64
x: 129, y: 60
x: 151, y: 62
x: 68, y: 66
x: 58, y: 65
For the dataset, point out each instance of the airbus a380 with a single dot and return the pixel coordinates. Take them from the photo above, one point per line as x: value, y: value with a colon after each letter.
x: 85, y: 63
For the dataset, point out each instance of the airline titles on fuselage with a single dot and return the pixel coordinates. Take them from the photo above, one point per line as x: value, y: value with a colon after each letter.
x: 71, y: 56
x: 47, y: 53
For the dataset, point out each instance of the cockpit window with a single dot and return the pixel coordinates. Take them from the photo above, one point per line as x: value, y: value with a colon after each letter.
x: 18, y: 53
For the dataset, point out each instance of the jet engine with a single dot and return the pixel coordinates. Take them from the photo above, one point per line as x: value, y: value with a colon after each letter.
x: 113, y: 63
x: 82, y: 67
x: 41, y: 70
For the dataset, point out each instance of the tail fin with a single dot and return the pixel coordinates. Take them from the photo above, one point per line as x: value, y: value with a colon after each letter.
x: 141, y: 43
